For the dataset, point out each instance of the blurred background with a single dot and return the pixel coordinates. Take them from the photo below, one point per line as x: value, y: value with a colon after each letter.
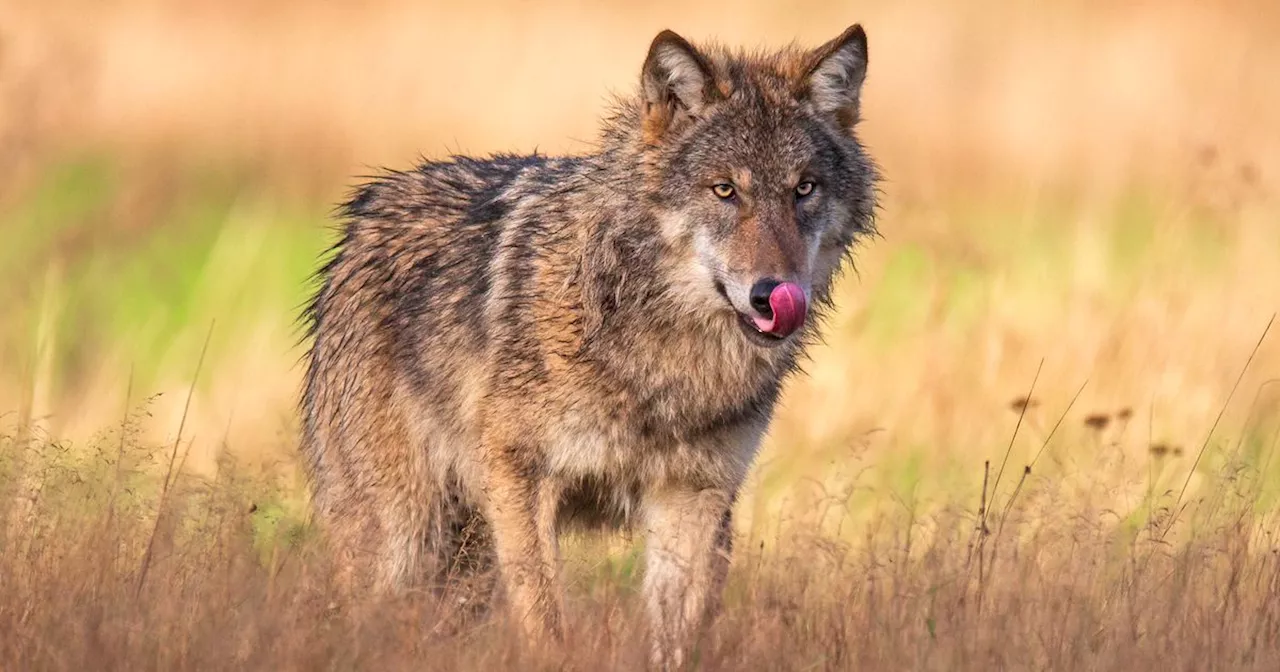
x: 1091, y: 188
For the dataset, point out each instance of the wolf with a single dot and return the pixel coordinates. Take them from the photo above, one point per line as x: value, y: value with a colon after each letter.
x: 514, y: 345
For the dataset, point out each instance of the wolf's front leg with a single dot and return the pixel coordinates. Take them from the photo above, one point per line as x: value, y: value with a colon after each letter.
x: 521, y: 507
x: 689, y: 539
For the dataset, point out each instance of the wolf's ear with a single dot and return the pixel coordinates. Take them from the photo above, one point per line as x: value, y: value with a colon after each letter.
x: 833, y: 79
x: 677, y: 83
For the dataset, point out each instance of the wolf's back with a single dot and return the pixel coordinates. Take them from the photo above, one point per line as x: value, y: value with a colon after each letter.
x: 400, y: 306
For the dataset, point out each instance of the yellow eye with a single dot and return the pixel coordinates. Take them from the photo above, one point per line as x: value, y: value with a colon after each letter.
x: 723, y: 190
x: 804, y: 189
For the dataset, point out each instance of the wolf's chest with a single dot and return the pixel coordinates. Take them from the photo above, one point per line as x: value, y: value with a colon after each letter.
x: 585, y: 445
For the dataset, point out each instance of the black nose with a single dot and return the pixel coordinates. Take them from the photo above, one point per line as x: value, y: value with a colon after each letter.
x: 760, y: 296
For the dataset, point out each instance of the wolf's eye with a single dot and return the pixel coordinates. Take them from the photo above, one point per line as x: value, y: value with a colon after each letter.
x: 804, y: 189
x: 722, y: 190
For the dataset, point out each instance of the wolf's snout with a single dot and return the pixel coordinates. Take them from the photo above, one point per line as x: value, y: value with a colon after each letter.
x: 780, y: 307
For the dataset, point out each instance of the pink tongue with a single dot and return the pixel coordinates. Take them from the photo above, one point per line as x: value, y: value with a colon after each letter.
x: 789, y: 307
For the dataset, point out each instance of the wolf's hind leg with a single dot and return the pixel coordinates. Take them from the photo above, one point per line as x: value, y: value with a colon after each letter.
x: 377, y: 542
x: 376, y: 505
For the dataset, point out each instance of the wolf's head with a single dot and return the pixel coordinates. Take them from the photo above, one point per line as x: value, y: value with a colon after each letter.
x: 755, y: 174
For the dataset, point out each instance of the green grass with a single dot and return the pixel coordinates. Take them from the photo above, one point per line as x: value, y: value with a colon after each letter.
x: 140, y: 287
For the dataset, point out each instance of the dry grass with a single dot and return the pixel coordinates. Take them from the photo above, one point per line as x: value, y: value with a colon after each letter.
x: 1084, y: 194
x: 118, y: 571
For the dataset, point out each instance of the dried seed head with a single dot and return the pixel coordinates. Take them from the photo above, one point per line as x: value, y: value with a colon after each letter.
x: 1097, y: 421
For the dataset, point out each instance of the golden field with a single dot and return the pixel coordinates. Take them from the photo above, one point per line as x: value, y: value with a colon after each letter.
x: 1082, y: 197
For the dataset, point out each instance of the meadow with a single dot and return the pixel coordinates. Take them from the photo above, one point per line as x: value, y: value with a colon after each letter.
x: 1041, y: 432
